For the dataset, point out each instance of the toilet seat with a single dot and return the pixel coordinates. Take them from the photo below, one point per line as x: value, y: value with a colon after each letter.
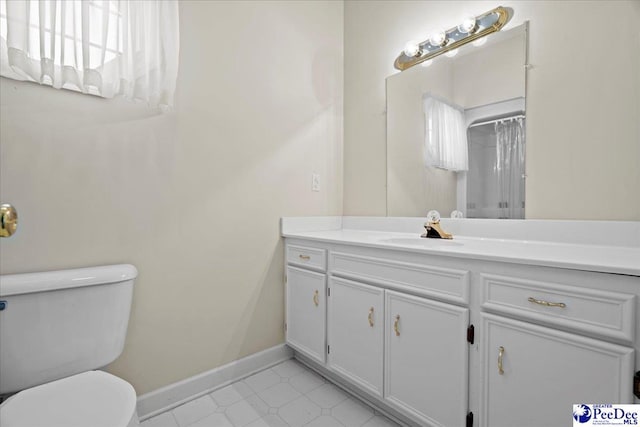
x: 93, y: 398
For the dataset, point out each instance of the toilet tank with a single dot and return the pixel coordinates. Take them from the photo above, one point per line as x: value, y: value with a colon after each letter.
x: 58, y: 323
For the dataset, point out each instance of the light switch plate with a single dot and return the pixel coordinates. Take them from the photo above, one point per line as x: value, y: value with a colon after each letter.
x: 315, y: 182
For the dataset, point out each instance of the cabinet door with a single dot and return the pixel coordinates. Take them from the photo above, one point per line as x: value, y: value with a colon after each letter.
x: 306, y: 312
x: 533, y: 375
x: 426, y: 361
x: 356, y: 332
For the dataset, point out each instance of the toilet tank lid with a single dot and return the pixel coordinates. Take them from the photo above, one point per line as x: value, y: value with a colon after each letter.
x: 25, y: 283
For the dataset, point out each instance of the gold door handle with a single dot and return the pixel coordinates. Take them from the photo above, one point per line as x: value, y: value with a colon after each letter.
x: 546, y: 303
x: 500, y: 357
x: 396, y: 325
x: 316, y: 298
x: 371, y: 317
x: 304, y: 257
x: 8, y: 220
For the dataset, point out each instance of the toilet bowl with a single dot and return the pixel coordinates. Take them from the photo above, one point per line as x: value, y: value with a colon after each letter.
x: 56, y: 328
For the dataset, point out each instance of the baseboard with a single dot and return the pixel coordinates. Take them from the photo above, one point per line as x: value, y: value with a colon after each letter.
x: 173, y: 395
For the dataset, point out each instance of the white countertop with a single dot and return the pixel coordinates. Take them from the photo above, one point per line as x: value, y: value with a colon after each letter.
x: 607, y: 258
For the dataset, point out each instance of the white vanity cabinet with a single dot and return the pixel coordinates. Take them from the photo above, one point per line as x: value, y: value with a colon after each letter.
x: 356, y: 333
x: 386, y: 334
x: 306, y: 301
x: 533, y: 375
x: 444, y: 340
x: 421, y: 341
x: 426, y: 359
x: 306, y: 312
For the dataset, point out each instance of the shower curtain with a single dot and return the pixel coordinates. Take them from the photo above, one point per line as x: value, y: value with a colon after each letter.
x: 510, y: 172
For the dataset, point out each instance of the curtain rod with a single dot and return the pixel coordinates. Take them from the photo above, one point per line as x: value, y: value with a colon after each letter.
x: 519, y: 116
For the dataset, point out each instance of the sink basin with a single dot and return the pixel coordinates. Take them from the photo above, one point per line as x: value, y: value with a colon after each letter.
x: 421, y: 242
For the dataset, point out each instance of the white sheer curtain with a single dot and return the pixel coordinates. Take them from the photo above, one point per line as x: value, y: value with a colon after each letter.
x: 105, y: 48
x: 445, y: 136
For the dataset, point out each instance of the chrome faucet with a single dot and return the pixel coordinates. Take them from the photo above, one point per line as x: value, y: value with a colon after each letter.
x: 433, y: 229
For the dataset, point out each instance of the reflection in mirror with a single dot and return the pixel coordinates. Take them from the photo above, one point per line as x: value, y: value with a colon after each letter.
x: 495, y: 179
x: 487, y: 86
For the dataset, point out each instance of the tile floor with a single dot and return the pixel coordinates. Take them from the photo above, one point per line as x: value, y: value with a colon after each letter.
x: 286, y: 395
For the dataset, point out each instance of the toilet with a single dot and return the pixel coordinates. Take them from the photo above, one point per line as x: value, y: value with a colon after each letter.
x: 56, y: 329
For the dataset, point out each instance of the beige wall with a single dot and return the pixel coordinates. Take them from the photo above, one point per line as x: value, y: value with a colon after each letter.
x: 583, y: 100
x: 192, y: 198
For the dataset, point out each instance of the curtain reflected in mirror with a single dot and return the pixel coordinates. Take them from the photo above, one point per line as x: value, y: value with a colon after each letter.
x: 445, y: 135
x: 496, y: 176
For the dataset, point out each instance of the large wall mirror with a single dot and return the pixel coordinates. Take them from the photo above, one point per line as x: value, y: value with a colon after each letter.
x: 482, y: 89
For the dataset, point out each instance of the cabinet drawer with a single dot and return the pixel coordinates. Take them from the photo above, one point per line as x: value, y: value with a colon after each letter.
x: 439, y: 282
x: 307, y: 257
x: 608, y: 314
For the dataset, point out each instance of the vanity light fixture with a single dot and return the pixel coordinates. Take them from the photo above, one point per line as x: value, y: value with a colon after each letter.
x: 470, y: 29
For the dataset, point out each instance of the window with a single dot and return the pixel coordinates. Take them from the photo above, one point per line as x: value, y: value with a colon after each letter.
x: 102, y: 47
x: 445, y: 135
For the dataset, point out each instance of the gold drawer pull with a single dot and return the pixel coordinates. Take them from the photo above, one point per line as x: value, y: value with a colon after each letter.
x: 304, y: 257
x: 371, y: 317
x: 316, y: 298
x: 500, y: 357
x: 547, y: 303
x: 396, y: 325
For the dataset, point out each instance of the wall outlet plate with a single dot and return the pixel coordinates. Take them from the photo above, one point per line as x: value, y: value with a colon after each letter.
x: 315, y: 182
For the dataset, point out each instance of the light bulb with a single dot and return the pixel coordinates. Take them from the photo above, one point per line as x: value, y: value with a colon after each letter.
x: 479, y: 42
x: 438, y: 39
x: 457, y: 214
x: 468, y: 25
x: 452, y: 53
x: 412, y: 49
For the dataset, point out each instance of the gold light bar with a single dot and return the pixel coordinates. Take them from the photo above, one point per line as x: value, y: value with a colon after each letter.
x: 487, y: 23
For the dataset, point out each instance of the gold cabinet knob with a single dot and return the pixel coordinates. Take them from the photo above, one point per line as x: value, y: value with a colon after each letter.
x: 371, y: 317
x: 500, y: 357
x: 396, y: 325
x: 316, y: 298
x: 8, y: 220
